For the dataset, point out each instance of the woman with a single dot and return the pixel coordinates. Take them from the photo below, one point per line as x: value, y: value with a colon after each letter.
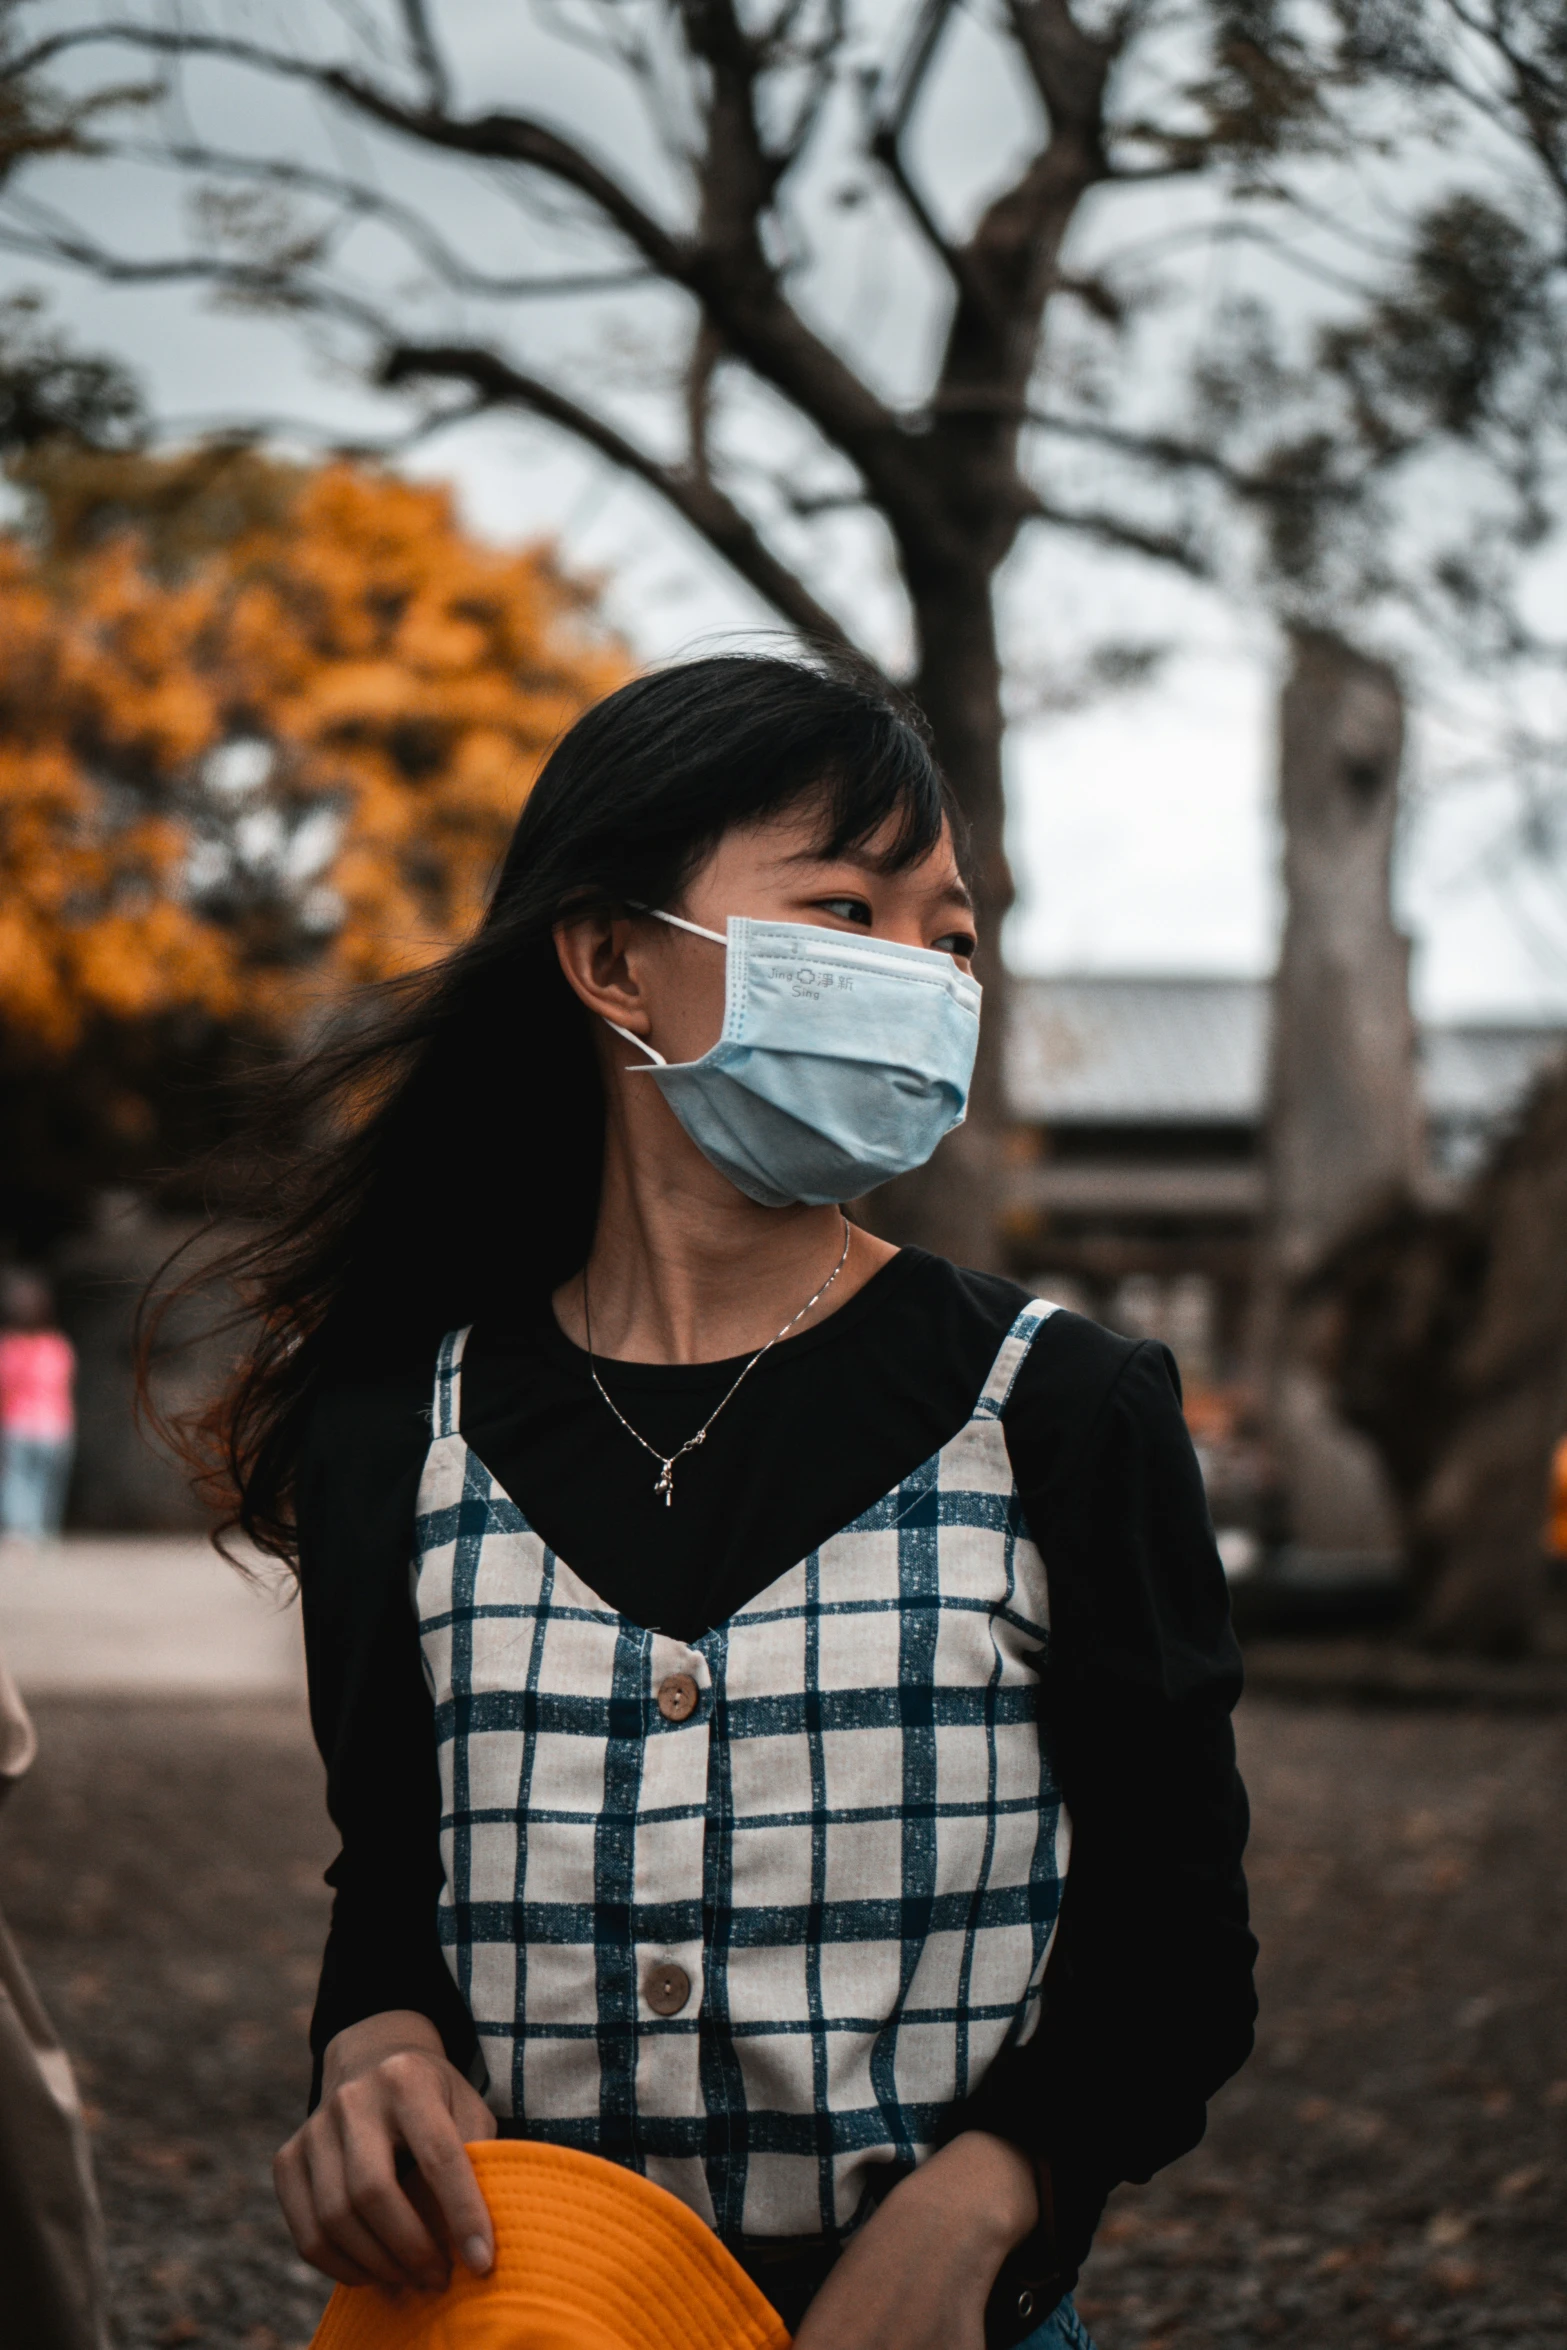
x: 796, y: 1760
x: 37, y: 1412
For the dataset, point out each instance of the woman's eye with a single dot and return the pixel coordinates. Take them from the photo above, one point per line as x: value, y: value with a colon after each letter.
x: 961, y: 943
x: 847, y: 909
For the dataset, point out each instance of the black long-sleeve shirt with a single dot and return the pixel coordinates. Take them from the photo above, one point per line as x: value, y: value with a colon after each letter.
x: 1148, y: 2001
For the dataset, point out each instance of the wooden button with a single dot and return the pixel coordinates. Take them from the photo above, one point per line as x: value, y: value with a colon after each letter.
x: 678, y: 1698
x: 666, y: 1988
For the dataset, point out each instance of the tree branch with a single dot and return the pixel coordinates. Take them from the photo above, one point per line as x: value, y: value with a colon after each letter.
x: 688, y: 488
x: 357, y: 198
x: 492, y: 138
x: 1018, y: 239
x: 810, y: 505
x: 1066, y: 64
x: 277, y: 288
x: 1165, y: 452
x: 734, y: 283
x: 726, y: 268
x: 272, y: 286
x: 1126, y: 538
x: 736, y: 174
x: 1538, y: 101
x: 820, y: 57
x: 1013, y: 255
x: 694, y: 496
x: 426, y: 52
x: 701, y: 373
x: 890, y: 111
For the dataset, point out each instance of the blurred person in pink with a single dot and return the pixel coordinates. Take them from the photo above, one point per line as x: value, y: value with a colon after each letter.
x: 37, y: 1412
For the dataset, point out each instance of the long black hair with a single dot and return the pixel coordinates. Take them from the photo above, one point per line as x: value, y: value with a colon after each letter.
x: 457, y: 1121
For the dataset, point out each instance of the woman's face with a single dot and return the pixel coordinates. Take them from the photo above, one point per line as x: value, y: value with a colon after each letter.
x: 774, y: 873
x: 668, y: 988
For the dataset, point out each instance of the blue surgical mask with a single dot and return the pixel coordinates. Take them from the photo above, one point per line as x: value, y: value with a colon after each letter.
x: 843, y: 1061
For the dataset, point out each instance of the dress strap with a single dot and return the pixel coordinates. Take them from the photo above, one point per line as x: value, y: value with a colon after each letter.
x: 446, y: 1404
x: 1009, y: 1361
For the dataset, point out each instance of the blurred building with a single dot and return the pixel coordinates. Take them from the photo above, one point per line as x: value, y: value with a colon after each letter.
x: 1137, y: 1177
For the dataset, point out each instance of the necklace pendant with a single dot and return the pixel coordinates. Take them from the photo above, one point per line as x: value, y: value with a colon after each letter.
x: 664, y: 1483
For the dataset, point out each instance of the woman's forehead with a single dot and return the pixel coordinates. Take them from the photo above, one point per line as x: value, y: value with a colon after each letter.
x: 800, y: 836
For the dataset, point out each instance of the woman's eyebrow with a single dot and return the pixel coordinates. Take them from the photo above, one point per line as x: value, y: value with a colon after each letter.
x: 952, y: 893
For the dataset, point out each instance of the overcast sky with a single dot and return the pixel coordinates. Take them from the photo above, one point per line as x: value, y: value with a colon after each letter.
x: 1140, y: 830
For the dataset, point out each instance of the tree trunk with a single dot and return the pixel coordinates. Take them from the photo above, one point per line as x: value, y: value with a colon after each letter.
x: 124, y: 1480
x: 953, y: 1205
x: 1343, y: 1126
x: 1445, y: 1336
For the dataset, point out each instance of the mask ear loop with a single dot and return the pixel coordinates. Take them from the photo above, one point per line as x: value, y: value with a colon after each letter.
x: 655, y: 1058
x: 679, y: 922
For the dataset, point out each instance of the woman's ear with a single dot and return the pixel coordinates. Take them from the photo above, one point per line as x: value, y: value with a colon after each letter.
x: 595, y: 953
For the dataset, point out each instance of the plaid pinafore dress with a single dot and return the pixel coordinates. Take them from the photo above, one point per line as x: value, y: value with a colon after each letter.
x: 747, y: 1912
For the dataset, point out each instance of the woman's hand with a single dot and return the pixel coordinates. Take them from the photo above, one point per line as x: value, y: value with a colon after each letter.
x: 917, y: 2276
x: 387, y: 2090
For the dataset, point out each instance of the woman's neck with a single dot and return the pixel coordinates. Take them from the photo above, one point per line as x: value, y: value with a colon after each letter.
x: 685, y: 1269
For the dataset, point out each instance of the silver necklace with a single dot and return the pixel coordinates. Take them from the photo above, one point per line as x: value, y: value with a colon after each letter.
x: 665, y: 1483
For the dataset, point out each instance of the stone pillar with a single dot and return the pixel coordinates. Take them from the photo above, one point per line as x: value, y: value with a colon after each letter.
x: 1344, y: 1127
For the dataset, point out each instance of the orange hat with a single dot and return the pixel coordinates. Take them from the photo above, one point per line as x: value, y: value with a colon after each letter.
x: 588, y: 2256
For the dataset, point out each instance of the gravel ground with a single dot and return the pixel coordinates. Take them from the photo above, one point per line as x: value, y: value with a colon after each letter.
x: 1390, y: 2167
x: 161, y: 1870
x: 1389, y: 2171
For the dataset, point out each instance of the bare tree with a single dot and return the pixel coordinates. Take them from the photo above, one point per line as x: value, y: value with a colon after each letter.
x: 770, y: 137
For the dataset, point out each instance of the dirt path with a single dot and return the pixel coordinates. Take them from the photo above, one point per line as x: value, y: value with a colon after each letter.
x: 146, y: 1615
x: 1391, y: 2167
x: 161, y: 1869
x: 1390, y: 2170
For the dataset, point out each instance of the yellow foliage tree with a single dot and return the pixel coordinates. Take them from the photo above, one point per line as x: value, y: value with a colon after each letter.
x: 298, y: 748
x: 264, y: 732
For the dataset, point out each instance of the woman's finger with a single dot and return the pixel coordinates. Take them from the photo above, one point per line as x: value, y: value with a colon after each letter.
x: 469, y: 2111
x: 336, y: 2218
x: 435, y: 2142
x: 369, y: 2140
x: 290, y: 2177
